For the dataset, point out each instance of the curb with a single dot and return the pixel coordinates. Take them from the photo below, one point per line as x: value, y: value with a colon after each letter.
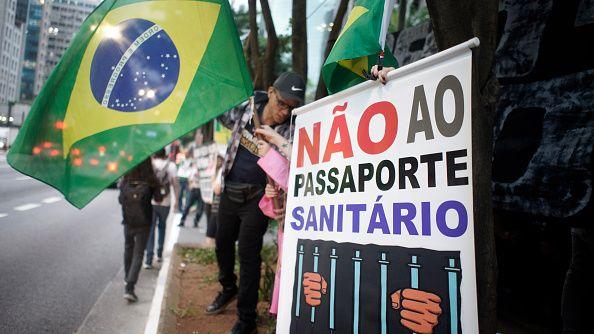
x: 153, y: 322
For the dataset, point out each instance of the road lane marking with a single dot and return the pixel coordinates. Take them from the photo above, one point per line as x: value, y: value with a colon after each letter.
x: 52, y: 200
x: 27, y: 206
x: 157, y: 302
x: 23, y: 178
x: 2, y: 215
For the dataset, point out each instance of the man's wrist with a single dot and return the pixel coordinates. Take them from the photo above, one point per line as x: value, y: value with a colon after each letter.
x: 275, y: 140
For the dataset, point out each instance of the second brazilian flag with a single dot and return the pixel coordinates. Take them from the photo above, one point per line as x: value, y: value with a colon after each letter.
x: 138, y: 75
x: 358, y: 45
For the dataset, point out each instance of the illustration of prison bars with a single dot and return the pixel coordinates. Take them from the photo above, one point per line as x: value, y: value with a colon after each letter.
x: 383, y: 264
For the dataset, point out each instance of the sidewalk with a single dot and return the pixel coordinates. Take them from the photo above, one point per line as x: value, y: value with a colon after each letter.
x: 111, y: 314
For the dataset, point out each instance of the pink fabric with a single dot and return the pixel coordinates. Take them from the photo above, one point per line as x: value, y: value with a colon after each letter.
x: 267, y: 206
x: 277, y: 167
x: 274, y: 302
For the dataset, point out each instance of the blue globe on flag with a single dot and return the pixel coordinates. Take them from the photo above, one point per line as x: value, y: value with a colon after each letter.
x: 135, y: 67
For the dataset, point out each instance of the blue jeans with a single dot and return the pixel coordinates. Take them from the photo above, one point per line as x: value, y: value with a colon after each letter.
x: 160, y: 214
x: 183, y: 187
x: 194, y: 197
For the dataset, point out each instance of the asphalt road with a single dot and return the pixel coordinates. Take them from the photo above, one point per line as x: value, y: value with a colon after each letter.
x: 55, y: 260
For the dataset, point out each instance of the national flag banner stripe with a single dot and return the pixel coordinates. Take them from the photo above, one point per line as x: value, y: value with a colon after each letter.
x: 358, y: 45
x: 138, y: 75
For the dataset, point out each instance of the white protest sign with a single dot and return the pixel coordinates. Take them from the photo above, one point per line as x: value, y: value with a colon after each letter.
x: 206, y: 158
x: 379, y: 230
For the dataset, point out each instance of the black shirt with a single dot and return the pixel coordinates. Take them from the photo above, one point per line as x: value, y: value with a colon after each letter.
x: 245, y: 167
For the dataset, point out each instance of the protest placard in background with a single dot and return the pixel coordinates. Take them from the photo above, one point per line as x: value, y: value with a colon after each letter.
x: 206, y: 158
x: 379, y: 234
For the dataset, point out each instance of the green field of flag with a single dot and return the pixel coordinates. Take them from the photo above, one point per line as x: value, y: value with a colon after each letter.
x: 138, y: 75
x: 357, y: 47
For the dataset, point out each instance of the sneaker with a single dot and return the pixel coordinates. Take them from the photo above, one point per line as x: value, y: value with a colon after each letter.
x: 147, y: 266
x: 244, y: 328
x: 223, y: 299
x: 130, y: 296
x: 159, y: 259
x: 180, y: 224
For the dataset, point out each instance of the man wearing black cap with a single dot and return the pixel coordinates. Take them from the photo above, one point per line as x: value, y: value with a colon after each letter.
x: 240, y: 217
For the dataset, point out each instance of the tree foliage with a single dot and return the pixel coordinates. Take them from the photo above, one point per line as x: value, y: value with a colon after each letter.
x: 267, y: 53
x: 261, y: 63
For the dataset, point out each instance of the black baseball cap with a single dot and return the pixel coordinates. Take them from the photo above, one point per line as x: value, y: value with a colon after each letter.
x: 291, y: 87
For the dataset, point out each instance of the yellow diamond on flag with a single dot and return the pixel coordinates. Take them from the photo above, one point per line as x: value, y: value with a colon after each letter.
x: 356, y: 65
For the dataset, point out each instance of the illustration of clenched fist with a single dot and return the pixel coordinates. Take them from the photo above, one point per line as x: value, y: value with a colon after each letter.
x: 419, y: 310
x: 314, y: 285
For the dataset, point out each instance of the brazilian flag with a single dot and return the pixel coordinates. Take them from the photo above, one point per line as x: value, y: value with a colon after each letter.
x: 358, y: 45
x: 138, y: 75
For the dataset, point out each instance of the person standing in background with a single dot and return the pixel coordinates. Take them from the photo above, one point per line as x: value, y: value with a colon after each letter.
x: 166, y: 173
x: 275, y: 162
x: 137, y: 188
x: 194, y: 196
x: 174, y: 150
x: 183, y: 172
x: 211, y: 227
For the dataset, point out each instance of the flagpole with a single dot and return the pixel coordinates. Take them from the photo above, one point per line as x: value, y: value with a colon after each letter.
x: 388, y: 9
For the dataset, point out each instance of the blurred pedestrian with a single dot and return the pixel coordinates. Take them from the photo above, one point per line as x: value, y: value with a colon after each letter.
x: 276, y: 165
x: 137, y: 188
x: 211, y: 227
x: 240, y: 217
x: 183, y: 172
x: 174, y: 150
x: 166, y: 173
x: 194, y: 196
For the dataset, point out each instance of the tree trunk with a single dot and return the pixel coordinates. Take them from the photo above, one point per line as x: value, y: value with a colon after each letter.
x: 256, y: 64
x: 321, y: 90
x: 268, y: 63
x: 455, y: 21
x: 299, y: 38
x: 247, y: 53
x: 401, y: 15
